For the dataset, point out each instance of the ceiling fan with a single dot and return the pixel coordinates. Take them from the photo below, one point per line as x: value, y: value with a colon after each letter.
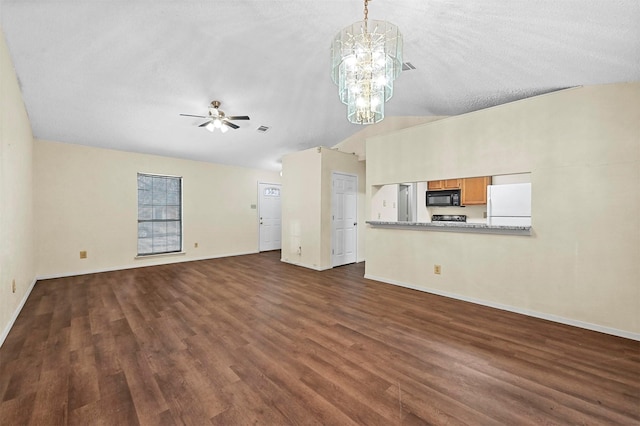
x: 217, y: 119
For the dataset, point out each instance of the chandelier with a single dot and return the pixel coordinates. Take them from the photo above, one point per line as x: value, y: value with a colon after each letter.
x: 366, y: 57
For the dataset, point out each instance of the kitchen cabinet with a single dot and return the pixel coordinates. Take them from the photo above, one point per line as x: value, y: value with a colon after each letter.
x: 434, y: 185
x: 474, y: 190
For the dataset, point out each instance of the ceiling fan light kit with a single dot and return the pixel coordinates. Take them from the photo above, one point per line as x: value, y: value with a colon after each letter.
x: 366, y: 57
x: 217, y: 119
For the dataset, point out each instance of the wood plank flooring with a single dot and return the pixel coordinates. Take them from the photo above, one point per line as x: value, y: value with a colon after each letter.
x: 251, y: 340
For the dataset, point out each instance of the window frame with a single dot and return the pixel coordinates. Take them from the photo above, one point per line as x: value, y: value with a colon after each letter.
x: 153, y: 220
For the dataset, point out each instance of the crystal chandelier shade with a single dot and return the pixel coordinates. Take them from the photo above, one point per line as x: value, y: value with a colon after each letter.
x: 366, y: 57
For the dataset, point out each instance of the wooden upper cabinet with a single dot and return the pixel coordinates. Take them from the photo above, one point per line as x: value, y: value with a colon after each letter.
x: 434, y: 185
x: 452, y: 184
x: 474, y: 190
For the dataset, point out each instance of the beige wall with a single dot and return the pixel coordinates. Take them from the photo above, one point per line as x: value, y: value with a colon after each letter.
x: 306, y: 204
x: 86, y: 199
x: 355, y: 144
x: 16, y: 196
x: 301, y: 210
x: 580, y: 266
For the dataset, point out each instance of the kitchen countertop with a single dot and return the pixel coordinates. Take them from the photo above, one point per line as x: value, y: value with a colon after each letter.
x: 481, y: 228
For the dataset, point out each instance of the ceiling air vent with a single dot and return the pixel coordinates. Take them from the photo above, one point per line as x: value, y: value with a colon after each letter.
x: 407, y: 66
x: 262, y: 129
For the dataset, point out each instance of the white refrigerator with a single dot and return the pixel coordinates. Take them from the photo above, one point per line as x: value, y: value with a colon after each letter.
x: 509, y: 204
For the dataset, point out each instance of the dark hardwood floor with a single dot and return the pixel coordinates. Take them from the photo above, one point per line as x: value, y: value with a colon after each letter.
x: 251, y: 340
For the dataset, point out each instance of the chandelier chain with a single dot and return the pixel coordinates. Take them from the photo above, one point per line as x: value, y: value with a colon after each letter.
x: 366, y: 12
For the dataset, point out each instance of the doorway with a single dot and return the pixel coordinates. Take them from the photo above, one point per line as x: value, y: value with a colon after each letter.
x: 406, y: 204
x: 344, y: 214
x: 270, y: 214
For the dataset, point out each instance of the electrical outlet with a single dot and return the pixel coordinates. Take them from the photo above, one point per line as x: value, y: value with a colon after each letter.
x: 83, y: 254
x: 195, y: 245
x: 437, y: 269
x: 13, y: 286
x: 378, y: 215
x: 384, y: 203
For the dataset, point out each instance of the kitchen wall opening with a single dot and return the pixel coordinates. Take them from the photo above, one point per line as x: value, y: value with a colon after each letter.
x: 497, y: 200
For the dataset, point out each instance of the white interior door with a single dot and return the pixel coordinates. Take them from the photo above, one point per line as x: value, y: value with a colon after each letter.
x: 270, y: 213
x: 344, y: 224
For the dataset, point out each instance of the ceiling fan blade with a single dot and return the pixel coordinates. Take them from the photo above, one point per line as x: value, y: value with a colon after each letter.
x: 205, y: 123
x: 230, y: 124
x: 189, y: 115
x: 238, y: 117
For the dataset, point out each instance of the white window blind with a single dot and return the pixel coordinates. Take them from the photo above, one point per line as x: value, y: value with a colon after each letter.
x: 159, y: 214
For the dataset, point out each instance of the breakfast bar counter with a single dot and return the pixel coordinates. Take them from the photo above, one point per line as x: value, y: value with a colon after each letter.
x: 481, y: 228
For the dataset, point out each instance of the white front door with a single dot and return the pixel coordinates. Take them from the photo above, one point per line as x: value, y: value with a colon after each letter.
x: 344, y: 224
x: 270, y: 213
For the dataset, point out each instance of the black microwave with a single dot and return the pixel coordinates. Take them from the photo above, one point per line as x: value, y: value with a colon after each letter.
x: 443, y: 198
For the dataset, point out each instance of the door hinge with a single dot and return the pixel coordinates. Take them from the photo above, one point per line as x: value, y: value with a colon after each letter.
x: 332, y: 251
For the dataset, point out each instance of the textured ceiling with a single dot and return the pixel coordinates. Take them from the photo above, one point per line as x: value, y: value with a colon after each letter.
x: 117, y: 74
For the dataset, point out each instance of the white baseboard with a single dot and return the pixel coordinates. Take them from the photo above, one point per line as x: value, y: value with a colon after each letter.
x: 121, y: 268
x: 304, y: 265
x: 14, y: 317
x: 517, y: 310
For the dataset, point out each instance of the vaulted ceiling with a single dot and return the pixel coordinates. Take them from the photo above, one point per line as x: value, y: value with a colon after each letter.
x: 118, y: 74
